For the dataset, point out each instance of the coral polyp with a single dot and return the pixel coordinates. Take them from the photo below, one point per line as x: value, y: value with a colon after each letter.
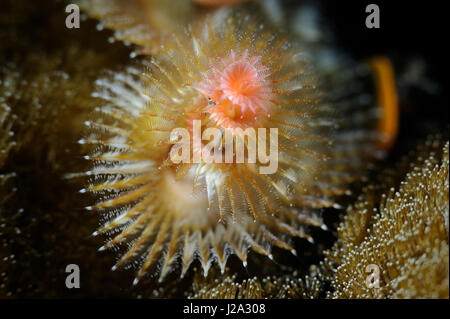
x: 226, y: 72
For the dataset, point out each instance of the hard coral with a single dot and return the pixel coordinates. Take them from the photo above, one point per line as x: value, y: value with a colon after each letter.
x: 404, y: 233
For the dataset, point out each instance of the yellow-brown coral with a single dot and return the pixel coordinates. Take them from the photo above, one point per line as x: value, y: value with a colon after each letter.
x: 273, y: 287
x: 406, y: 236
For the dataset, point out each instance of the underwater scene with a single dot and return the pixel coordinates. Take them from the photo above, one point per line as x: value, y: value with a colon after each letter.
x: 214, y: 149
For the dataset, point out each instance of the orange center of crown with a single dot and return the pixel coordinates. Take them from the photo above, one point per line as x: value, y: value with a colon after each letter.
x: 239, y: 91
